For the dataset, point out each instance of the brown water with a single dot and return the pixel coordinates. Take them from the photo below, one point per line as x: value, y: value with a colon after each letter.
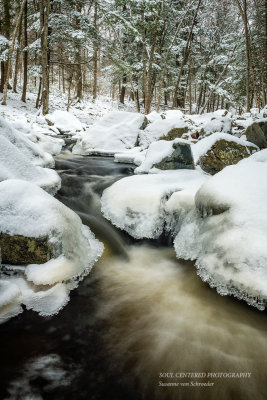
x: 137, y: 323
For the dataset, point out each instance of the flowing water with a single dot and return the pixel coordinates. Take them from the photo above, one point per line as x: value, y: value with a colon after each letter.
x: 135, y: 325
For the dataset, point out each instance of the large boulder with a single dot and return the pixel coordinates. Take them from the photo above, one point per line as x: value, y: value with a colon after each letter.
x: 49, y: 240
x: 255, y: 134
x: 263, y: 126
x: 181, y: 158
x: 219, y: 150
x: 167, y: 155
x: 222, y: 154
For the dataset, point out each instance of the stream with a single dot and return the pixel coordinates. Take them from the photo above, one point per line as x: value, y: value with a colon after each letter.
x: 136, y: 325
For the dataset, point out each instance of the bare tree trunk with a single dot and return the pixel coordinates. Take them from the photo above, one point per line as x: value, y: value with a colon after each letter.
x: 39, y: 94
x: 11, y: 50
x: 123, y: 89
x: 44, y: 15
x: 250, y: 63
x: 15, y: 81
x: 95, y: 55
x: 25, y: 56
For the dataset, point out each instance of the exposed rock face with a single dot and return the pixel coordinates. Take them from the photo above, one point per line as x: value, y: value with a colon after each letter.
x: 175, y: 133
x: 263, y: 126
x: 50, y: 123
x: 22, y: 250
x: 222, y: 154
x: 255, y: 134
x: 181, y: 158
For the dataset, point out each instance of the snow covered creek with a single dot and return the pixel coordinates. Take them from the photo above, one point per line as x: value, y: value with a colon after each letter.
x: 136, y: 324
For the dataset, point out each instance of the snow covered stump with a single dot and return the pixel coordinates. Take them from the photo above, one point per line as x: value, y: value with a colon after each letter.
x: 68, y: 252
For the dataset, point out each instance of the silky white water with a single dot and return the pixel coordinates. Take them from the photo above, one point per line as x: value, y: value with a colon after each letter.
x: 161, y: 318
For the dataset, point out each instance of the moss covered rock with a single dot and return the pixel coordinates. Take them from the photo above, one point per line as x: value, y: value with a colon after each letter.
x: 222, y: 154
x: 175, y: 133
x: 181, y: 158
x: 20, y: 250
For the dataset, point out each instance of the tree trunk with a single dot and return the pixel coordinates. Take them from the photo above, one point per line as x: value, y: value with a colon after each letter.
x: 11, y: 50
x: 25, y: 55
x: 95, y: 54
x: 123, y: 89
x: 15, y: 81
x: 44, y: 15
x: 185, y: 55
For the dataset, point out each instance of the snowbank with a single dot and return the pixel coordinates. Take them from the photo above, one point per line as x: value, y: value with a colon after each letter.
x: 136, y: 204
x: 226, y: 232
x: 30, y: 150
x: 46, y: 143
x: 27, y: 210
x: 15, y: 165
x: 113, y: 133
x: 64, y: 121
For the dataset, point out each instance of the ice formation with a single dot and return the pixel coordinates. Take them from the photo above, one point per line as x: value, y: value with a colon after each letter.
x: 137, y: 204
x: 113, y: 133
x: 27, y: 210
x: 226, y: 232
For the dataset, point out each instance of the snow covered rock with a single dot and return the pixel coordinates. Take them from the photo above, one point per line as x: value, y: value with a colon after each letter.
x: 30, y: 150
x: 14, y: 164
x: 226, y: 233
x: 28, y: 211
x: 45, y: 142
x: 136, y: 204
x: 115, y: 132
x: 170, y: 128
x: 206, y: 124
x: 255, y: 135
x: 167, y: 155
x: 64, y: 121
x: 219, y: 150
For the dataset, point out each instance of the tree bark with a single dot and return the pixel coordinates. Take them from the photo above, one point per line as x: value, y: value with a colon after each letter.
x: 11, y: 50
x: 25, y: 55
x: 44, y: 15
x: 95, y: 54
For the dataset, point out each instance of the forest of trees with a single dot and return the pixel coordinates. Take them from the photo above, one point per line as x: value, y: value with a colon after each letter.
x: 198, y: 55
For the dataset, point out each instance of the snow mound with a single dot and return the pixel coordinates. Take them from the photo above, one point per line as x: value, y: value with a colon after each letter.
x: 115, y: 132
x: 156, y: 152
x: 218, y: 121
x: 136, y: 204
x: 64, y: 121
x: 15, y: 165
x: 46, y: 143
x: 27, y: 210
x: 201, y: 148
x: 226, y: 232
x: 31, y: 150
